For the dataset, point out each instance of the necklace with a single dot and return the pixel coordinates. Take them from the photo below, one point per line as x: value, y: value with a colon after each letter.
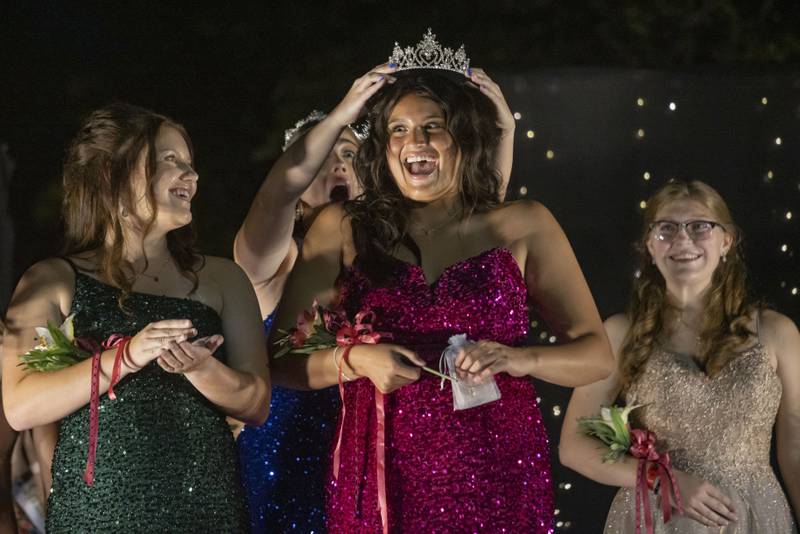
x: 155, y: 277
x: 428, y: 231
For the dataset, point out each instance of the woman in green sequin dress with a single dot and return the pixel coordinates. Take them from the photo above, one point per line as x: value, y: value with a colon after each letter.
x: 165, y: 456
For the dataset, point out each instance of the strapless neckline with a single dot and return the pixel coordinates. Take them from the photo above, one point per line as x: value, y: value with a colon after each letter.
x: 451, y: 267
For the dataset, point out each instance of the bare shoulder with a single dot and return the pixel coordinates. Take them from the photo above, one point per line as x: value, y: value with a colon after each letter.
x: 330, y: 235
x: 528, y: 209
x: 332, y: 220
x: 221, y: 269
x: 617, y: 327
x: 525, y: 218
x: 50, y: 274
x: 779, y: 332
x: 51, y: 280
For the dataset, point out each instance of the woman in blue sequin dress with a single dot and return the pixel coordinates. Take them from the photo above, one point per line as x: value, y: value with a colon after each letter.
x: 285, y: 460
x: 165, y: 460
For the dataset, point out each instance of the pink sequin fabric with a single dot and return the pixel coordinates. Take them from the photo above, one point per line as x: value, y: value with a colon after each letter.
x: 484, y: 469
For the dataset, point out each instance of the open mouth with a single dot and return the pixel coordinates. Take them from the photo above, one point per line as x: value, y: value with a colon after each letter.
x: 685, y: 258
x: 181, y: 193
x: 420, y: 164
x: 339, y: 193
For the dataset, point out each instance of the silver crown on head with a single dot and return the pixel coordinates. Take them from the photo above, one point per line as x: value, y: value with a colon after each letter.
x: 290, y: 135
x: 429, y: 54
x: 360, y: 129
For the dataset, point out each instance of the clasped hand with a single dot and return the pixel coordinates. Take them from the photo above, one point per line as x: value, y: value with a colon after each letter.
x: 390, y: 367
x: 482, y: 359
x: 186, y: 356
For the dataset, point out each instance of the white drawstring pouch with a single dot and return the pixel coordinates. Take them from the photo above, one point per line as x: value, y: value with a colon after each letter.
x: 465, y: 395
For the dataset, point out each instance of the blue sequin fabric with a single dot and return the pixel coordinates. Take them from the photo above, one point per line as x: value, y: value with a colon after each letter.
x: 166, y: 460
x: 285, y: 460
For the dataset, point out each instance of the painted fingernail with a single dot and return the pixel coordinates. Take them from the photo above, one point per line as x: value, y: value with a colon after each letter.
x: 392, y: 65
x: 469, y: 72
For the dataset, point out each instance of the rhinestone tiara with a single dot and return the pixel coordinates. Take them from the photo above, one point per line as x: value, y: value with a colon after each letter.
x: 429, y: 54
x: 360, y: 129
x: 290, y: 135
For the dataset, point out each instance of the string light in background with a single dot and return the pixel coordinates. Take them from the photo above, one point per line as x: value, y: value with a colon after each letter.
x: 771, y: 177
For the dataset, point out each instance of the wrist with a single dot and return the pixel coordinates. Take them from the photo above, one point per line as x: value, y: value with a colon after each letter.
x: 128, y: 365
x: 354, y: 362
x: 337, y: 118
x: 507, y: 129
x: 531, y: 359
x: 201, y: 370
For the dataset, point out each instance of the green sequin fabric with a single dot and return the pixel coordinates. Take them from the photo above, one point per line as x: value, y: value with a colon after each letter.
x: 166, y: 460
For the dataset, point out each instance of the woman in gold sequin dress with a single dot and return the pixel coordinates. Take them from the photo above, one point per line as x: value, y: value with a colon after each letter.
x: 712, y: 371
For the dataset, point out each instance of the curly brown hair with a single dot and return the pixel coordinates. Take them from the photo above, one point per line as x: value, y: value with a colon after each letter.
x: 380, y: 215
x: 97, y: 183
x: 729, y: 307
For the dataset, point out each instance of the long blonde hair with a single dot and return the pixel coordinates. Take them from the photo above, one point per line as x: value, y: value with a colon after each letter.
x: 729, y: 307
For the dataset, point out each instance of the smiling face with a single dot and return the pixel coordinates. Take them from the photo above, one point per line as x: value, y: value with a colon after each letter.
x: 422, y: 155
x: 174, y: 182
x: 684, y: 261
x: 336, y: 180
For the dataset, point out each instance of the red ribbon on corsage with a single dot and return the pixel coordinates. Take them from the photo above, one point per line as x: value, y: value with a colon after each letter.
x: 652, y: 464
x: 90, y: 345
x: 361, y: 332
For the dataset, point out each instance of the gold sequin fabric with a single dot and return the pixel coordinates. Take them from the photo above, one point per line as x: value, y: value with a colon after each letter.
x: 718, y: 428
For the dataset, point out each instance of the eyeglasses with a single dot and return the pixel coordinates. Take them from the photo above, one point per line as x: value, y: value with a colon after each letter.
x: 697, y: 230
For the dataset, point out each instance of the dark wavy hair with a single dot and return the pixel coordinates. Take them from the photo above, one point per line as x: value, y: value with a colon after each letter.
x: 97, y: 183
x: 380, y: 215
x: 729, y: 306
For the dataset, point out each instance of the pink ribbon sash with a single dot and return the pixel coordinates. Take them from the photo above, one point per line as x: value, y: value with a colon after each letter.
x: 120, y: 342
x: 349, y: 336
x: 643, y: 447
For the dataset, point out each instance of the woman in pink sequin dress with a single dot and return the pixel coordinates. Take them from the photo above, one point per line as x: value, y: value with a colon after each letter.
x: 429, y: 249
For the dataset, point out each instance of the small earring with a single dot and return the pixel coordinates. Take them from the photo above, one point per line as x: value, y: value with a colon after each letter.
x: 652, y: 260
x: 724, y: 258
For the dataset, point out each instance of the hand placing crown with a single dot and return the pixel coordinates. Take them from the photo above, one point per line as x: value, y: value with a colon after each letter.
x: 359, y: 128
x: 429, y: 54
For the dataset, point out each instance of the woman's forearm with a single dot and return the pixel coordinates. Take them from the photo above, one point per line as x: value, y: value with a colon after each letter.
x: 262, y: 242
x: 581, y: 361
x: 315, y: 371
x: 585, y: 455
x: 241, y: 395
x: 40, y: 398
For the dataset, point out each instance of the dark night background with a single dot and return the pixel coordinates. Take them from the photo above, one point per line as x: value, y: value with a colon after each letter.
x: 236, y: 76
